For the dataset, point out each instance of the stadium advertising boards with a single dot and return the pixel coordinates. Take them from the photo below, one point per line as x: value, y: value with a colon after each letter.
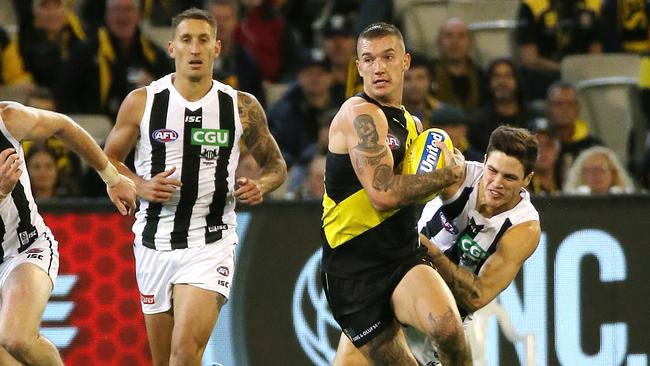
x: 583, y: 294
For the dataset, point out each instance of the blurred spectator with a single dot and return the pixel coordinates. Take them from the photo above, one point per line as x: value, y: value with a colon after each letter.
x: 294, y: 118
x: 48, y: 32
x: 67, y: 163
x: 548, y: 30
x: 546, y: 178
x: 313, y: 187
x: 235, y: 65
x: 457, y: 79
x: 625, y: 25
x: 339, y: 45
x: 454, y: 122
x: 264, y: 33
x: 302, y: 17
x: 416, y: 96
x: 157, y: 12
x: 160, y: 12
x: 13, y: 77
x: 505, y: 103
x: 41, y: 98
x: 563, y: 114
x: 598, y: 170
x: 117, y: 60
x: 46, y: 179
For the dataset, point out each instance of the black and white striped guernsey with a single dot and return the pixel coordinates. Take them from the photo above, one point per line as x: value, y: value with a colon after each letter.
x: 462, y: 233
x: 200, y: 139
x: 20, y: 222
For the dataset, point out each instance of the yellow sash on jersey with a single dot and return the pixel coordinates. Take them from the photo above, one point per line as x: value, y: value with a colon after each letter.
x: 355, y: 214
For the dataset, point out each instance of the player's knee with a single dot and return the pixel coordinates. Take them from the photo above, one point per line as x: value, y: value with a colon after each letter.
x: 186, y: 354
x: 447, y: 332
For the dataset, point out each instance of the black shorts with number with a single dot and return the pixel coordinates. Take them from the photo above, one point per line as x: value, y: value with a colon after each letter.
x: 362, y: 307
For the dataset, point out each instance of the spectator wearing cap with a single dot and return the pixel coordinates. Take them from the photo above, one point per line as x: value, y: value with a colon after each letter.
x: 294, y: 117
x: 339, y: 46
x: 416, y: 96
x: 454, y: 121
x: 504, y: 104
x: 235, y: 66
x: 457, y: 79
x: 546, y: 180
x: 112, y: 63
x: 48, y: 31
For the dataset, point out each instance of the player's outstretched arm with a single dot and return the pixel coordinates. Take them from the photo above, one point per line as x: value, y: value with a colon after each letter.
x: 26, y: 123
x: 473, y: 292
x: 264, y: 149
x: 366, y: 129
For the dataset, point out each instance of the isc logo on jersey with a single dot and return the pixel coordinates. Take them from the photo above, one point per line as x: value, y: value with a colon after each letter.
x: 164, y: 135
x: 211, y: 137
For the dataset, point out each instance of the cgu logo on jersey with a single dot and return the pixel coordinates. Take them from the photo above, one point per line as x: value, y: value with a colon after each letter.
x: 471, y: 249
x: 164, y: 135
x: 392, y: 142
x: 211, y: 137
x: 429, y: 159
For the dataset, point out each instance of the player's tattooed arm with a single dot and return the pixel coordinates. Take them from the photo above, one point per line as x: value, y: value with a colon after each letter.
x: 464, y: 285
x: 260, y: 142
x: 372, y: 156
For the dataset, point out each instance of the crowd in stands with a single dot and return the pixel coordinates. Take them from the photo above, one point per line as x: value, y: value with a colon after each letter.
x: 298, y: 58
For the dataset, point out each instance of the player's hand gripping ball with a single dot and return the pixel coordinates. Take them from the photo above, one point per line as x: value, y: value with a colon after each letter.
x: 424, y: 157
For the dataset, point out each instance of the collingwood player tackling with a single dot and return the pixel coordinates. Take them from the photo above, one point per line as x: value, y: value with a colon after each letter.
x: 480, y: 231
x: 187, y: 130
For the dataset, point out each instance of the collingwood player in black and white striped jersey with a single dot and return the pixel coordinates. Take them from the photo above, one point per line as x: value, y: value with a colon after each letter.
x: 29, y: 258
x: 186, y: 129
x: 480, y: 231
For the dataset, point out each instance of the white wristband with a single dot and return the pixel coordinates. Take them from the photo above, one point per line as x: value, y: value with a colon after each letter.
x: 110, y: 175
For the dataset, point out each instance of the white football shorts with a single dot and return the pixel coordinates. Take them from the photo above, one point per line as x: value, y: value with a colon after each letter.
x: 209, y: 267
x: 43, y: 253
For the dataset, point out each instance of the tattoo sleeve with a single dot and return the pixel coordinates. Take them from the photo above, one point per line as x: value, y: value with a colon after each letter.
x: 464, y: 285
x: 260, y: 143
x: 369, y: 153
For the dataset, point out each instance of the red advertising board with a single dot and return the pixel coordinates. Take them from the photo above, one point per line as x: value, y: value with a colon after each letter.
x: 98, y: 249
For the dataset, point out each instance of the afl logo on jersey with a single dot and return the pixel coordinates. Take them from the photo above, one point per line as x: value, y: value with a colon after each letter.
x: 164, y: 135
x: 392, y: 142
x: 223, y: 270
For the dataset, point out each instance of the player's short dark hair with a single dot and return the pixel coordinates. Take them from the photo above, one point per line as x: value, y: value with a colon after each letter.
x: 194, y: 13
x: 516, y: 142
x: 380, y: 29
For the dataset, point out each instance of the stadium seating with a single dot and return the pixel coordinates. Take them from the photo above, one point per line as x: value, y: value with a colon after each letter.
x: 159, y: 35
x: 608, y: 108
x: 492, y: 39
x: 575, y: 68
x: 421, y: 19
x: 97, y: 125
